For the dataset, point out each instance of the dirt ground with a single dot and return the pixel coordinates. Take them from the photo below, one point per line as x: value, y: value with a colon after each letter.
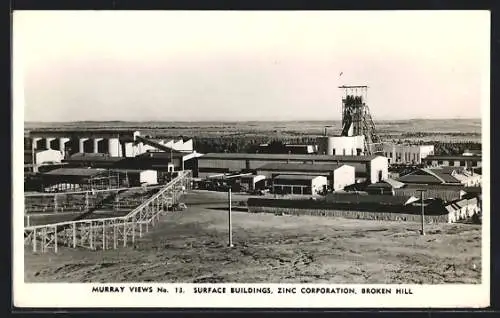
x: 191, y: 247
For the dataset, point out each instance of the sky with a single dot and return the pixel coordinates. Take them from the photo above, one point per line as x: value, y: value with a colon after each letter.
x: 234, y: 65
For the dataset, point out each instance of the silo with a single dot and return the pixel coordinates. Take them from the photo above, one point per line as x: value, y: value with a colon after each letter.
x: 325, y: 145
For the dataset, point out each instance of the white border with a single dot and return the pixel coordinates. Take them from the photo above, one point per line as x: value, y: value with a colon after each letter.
x: 80, y: 295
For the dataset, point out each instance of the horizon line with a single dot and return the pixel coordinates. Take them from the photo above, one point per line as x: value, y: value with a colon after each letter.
x: 240, y: 120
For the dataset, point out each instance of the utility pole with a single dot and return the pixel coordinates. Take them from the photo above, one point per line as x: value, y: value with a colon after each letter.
x: 422, y: 231
x: 229, y: 224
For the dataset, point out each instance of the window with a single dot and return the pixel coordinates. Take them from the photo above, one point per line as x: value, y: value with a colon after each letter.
x: 343, y: 152
x: 333, y: 153
x: 462, y: 163
x: 440, y: 162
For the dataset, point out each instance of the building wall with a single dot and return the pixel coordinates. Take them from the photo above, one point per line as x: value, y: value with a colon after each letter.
x: 318, y: 184
x: 407, y: 154
x: 130, y: 150
x: 464, y: 212
x: 470, y: 181
x: 341, y: 145
x: 379, y: 169
x: 309, y: 187
x: 343, y: 177
x: 453, y: 163
x: 149, y: 176
x: 251, y: 181
x: 48, y: 156
x: 235, y: 165
x: 187, y: 146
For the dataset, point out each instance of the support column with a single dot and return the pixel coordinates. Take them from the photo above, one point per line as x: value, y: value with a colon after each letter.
x: 81, y: 145
x: 48, y: 140
x: 62, y: 145
x: 34, y: 142
x: 114, y: 147
x: 96, y: 144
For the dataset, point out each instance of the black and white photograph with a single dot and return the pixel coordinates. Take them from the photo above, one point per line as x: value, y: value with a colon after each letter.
x: 251, y: 158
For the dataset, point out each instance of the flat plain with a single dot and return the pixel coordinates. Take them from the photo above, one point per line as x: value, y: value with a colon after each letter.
x: 191, y: 247
x: 426, y: 130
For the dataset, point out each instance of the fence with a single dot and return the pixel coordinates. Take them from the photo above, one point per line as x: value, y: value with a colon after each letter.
x: 351, y: 214
x: 109, y: 233
x: 354, y: 210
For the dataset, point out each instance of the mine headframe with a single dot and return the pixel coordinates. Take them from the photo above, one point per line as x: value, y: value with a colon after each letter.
x: 357, y: 119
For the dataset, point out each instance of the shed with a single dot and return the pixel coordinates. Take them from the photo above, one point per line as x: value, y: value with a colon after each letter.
x: 338, y: 175
x: 78, y: 178
x: 252, y: 182
x: 299, y: 184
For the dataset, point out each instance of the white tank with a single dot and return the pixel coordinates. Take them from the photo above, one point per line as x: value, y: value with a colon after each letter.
x: 325, y: 145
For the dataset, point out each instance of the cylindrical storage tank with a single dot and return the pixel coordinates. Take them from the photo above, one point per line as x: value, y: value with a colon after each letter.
x: 114, y: 147
x: 325, y: 146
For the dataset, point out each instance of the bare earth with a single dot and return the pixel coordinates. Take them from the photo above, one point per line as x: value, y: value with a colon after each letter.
x: 191, y: 247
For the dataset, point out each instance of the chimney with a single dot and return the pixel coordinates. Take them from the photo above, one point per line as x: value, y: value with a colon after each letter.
x: 325, y: 131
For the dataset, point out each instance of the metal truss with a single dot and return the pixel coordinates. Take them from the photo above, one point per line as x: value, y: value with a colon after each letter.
x: 109, y: 233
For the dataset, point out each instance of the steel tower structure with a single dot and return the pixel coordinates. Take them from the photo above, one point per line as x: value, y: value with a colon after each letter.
x: 356, y: 117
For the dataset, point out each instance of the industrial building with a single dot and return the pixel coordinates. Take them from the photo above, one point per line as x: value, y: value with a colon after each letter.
x: 469, y: 161
x: 135, y: 177
x: 386, y: 186
x: 72, y: 179
x: 443, y: 175
x: 288, y: 149
x: 151, y: 144
x: 70, y: 141
x: 407, y: 154
x: 162, y: 161
x: 338, y: 176
x: 167, y: 161
x: 42, y: 156
x: 299, y: 184
x: 252, y: 182
x: 341, y: 145
x: 115, y: 142
x: 369, y: 169
x: 93, y: 160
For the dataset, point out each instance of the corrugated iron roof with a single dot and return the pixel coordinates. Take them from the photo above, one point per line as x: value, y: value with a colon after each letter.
x: 162, y: 155
x: 444, y: 175
x: 455, y: 157
x: 295, y: 177
x: 94, y: 157
x: 427, y: 175
x: 424, y: 179
x: 300, y: 167
x: 132, y: 170
x: 260, y: 156
x: 82, y: 172
x: 394, y: 183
